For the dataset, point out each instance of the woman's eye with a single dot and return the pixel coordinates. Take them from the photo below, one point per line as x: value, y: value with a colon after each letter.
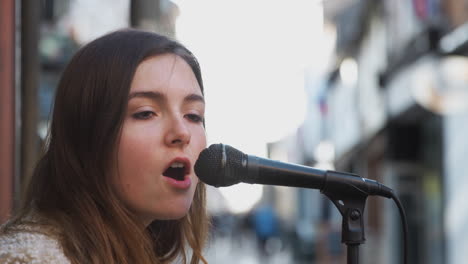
x: 195, y: 118
x: 143, y: 115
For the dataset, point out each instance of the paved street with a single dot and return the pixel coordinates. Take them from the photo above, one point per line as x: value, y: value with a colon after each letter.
x: 243, y: 249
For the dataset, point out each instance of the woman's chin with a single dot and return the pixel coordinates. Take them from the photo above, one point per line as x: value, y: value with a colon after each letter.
x: 175, y: 214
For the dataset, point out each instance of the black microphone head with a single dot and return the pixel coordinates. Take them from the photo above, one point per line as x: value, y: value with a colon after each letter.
x: 221, y: 165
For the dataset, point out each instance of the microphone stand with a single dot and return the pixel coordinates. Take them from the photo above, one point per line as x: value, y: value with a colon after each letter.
x: 350, y: 201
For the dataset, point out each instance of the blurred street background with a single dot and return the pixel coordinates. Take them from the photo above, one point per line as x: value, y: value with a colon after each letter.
x: 378, y: 88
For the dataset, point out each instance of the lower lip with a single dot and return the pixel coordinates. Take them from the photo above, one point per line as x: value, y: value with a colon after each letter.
x: 185, y: 184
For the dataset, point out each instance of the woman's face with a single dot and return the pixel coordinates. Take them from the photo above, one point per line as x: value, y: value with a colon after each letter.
x: 161, y: 138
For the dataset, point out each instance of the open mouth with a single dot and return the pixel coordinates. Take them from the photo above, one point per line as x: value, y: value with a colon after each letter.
x: 177, y: 171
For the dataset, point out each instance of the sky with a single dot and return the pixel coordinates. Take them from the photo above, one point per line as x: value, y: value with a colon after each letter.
x: 253, y: 56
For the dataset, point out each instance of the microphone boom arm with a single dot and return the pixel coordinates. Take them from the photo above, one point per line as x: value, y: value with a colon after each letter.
x: 348, y: 192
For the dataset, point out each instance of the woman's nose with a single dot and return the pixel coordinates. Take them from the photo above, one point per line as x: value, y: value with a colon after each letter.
x: 178, y: 133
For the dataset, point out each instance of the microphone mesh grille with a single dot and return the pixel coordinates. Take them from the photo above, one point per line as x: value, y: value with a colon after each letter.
x: 220, y: 165
x: 234, y: 166
x: 209, y: 164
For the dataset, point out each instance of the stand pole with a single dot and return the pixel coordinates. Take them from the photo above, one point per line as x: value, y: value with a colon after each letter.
x: 353, y: 254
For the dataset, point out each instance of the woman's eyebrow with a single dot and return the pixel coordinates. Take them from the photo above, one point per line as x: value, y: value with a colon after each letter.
x: 160, y: 97
x: 156, y: 96
x: 194, y: 98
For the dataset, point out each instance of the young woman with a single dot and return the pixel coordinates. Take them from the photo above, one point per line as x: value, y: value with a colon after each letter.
x: 116, y: 183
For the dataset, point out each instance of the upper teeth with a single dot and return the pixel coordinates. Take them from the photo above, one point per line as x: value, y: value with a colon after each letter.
x: 177, y: 165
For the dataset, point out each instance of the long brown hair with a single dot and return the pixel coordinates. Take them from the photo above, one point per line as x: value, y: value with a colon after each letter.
x: 71, y: 185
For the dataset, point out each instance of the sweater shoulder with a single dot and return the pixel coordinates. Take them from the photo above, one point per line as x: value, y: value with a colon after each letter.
x: 25, y: 246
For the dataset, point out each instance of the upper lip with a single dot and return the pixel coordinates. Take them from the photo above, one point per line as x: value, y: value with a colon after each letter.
x: 185, y: 161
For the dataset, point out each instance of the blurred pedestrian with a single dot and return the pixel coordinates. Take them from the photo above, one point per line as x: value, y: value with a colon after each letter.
x: 116, y: 183
x: 266, y: 225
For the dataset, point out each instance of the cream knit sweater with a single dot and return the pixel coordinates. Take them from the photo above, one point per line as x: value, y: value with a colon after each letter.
x: 27, y: 246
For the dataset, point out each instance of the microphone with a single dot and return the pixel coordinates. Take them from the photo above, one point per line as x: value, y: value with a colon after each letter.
x: 222, y: 165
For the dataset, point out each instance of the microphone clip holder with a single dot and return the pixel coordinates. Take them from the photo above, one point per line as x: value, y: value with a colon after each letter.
x: 350, y: 201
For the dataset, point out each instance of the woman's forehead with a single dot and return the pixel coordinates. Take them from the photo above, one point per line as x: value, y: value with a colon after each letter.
x: 163, y: 72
